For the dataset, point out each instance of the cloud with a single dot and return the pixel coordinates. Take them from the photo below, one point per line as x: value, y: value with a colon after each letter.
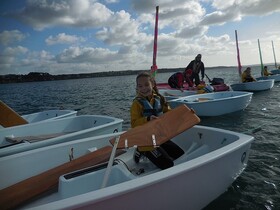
x: 111, y: 1
x: 233, y: 10
x: 13, y: 51
x: 44, y: 14
x: 9, y: 57
x: 63, y: 38
x: 86, y: 55
x: 101, y: 37
x: 248, y: 7
x: 191, y: 32
x: 8, y: 37
x: 122, y: 31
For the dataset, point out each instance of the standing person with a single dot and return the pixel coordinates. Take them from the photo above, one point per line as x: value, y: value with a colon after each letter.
x: 266, y: 72
x: 247, y: 76
x: 148, y: 105
x: 196, y: 66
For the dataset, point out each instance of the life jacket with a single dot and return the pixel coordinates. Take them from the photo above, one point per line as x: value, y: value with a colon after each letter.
x: 149, y: 110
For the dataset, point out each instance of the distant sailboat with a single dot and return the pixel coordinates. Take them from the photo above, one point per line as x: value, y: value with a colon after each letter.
x: 275, y: 76
x: 274, y: 54
x: 275, y: 71
x: 250, y: 86
x: 260, y: 52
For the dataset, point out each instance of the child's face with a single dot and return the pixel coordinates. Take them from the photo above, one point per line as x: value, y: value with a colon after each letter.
x: 144, y: 86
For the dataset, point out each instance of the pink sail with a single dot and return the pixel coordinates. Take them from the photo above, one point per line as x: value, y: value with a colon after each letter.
x: 154, y: 66
x: 238, y: 55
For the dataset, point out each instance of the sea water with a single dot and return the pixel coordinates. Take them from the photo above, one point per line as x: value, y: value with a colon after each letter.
x: 256, y: 188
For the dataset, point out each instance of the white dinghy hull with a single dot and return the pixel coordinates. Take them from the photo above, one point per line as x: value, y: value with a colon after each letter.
x: 50, y: 157
x: 275, y: 71
x: 213, y: 159
x: 215, y: 104
x: 49, y: 115
x: 276, y: 77
x: 173, y: 94
x: 259, y: 85
x: 41, y: 134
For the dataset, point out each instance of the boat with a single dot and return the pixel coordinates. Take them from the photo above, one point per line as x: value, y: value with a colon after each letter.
x: 216, y: 88
x: 49, y: 115
x: 30, y: 136
x: 213, y: 159
x: 255, y: 86
x: 165, y: 85
x: 276, y: 77
x: 173, y: 94
x: 9, y: 117
x: 275, y: 71
x: 259, y: 85
x: 215, y: 104
x: 56, y: 154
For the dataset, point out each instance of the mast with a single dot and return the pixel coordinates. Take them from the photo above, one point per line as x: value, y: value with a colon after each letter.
x: 154, y: 66
x: 260, y: 58
x: 238, y: 55
x: 274, y: 54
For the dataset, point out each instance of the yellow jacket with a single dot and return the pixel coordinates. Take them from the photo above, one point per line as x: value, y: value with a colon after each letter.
x: 247, y: 78
x: 266, y: 73
x: 136, y: 111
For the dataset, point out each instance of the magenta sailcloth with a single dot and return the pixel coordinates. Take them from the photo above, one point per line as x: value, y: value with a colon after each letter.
x: 154, y: 66
x: 238, y: 55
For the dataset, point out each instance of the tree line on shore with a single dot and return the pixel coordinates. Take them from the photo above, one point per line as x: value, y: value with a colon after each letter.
x: 42, y: 76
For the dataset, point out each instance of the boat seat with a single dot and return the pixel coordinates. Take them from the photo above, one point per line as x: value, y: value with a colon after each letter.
x: 193, y: 153
x: 90, y: 179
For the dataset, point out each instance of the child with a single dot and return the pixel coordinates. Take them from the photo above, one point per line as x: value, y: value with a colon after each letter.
x: 266, y: 72
x: 246, y: 75
x: 147, y: 106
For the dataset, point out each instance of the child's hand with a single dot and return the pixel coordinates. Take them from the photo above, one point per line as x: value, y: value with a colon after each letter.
x: 153, y: 117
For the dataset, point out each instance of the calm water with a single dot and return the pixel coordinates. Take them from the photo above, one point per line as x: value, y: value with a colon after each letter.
x: 257, y: 187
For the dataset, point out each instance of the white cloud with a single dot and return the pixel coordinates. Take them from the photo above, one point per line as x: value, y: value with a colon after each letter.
x: 111, y: 1
x: 44, y: 14
x: 104, y: 38
x: 220, y: 18
x: 13, y: 51
x: 86, y: 55
x: 122, y: 31
x: 63, y: 38
x: 8, y: 37
x: 248, y: 7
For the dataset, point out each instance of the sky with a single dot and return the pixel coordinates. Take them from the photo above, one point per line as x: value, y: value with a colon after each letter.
x: 87, y: 36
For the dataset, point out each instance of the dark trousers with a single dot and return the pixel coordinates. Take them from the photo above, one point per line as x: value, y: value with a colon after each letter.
x: 164, y: 155
x: 196, y: 78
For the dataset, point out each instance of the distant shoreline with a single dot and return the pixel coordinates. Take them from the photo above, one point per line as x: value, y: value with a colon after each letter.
x: 41, y: 76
